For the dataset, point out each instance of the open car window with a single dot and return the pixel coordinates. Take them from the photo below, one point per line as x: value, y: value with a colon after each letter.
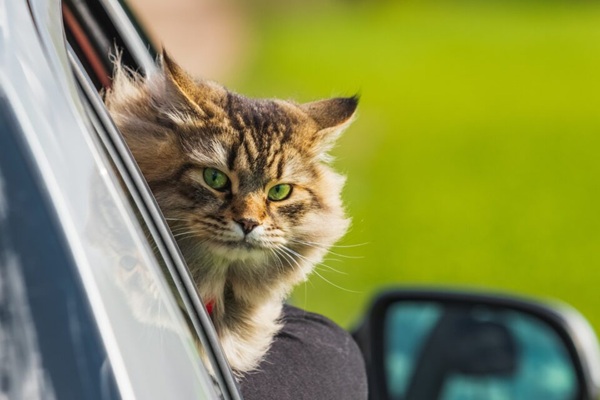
x: 142, y: 336
x: 93, y: 33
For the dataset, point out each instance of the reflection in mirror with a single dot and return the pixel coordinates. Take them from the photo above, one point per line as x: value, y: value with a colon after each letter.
x: 469, y: 351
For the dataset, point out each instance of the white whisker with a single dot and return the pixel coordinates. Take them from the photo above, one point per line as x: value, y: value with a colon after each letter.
x: 175, y: 219
x: 319, y: 246
x: 334, y: 285
x: 188, y: 232
x: 283, y: 252
x: 278, y: 259
x: 334, y: 246
x: 331, y: 268
x: 318, y: 264
x: 287, y: 249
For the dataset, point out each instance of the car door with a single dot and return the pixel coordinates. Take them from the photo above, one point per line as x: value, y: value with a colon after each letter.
x: 90, y: 25
x: 118, y: 326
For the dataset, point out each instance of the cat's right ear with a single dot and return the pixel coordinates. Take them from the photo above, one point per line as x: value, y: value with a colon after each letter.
x: 181, y: 99
x: 173, y: 97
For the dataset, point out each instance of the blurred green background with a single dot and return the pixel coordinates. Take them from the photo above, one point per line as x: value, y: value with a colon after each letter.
x: 474, y: 161
x: 475, y: 158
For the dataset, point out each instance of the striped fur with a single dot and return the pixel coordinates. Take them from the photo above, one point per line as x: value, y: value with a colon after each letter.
x: 177, y: 126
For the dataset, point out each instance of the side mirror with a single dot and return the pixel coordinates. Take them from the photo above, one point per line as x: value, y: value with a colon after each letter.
x: 440, y: 344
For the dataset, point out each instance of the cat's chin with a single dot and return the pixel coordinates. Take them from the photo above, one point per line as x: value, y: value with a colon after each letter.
x: 238, y: 251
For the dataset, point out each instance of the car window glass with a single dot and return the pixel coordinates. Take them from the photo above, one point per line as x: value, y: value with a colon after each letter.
x: 223, y: 380
x: 152, y: 358
x: 51, y: 347
x: 91, y: 55
x: 142, y: 291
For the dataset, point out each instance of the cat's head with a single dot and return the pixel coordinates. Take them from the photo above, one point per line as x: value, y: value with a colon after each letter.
x: 241, y: 181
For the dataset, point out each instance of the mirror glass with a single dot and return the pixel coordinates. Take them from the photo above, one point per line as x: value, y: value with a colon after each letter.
x: 471, y: 351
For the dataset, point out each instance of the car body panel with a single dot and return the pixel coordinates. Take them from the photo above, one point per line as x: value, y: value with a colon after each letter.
x: 149, y: 346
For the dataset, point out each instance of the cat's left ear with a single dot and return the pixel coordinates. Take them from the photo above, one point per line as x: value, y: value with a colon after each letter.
x: 332, y: 116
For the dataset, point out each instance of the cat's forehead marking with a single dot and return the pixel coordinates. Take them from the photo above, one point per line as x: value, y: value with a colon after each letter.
x: 212, y: 153
x: 259, y: 131
x: 255, y: 143
x: 262, y: 120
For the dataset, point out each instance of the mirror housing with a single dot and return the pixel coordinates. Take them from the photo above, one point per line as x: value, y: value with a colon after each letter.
x: 467, y: 337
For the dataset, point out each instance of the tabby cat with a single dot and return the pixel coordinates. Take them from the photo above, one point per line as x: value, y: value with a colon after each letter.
x: 245, y: 187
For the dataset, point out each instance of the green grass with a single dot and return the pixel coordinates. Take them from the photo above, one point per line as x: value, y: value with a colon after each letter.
x: 475, y: 160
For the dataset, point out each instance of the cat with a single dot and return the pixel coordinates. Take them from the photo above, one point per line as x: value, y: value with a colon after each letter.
x: 245, y: 186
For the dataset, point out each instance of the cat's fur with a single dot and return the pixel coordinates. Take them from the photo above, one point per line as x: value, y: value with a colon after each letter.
x: 175, y: 127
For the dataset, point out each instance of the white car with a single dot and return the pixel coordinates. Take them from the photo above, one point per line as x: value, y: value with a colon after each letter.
x: 96, y: 301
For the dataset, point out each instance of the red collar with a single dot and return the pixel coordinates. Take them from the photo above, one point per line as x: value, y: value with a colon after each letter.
x: 209, y: 307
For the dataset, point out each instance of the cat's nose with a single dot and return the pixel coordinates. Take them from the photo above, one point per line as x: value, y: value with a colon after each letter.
x: 247, y: 224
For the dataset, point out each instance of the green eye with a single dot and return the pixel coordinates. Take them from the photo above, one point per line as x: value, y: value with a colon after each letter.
x: 216, y: 179
x: 280, y: 192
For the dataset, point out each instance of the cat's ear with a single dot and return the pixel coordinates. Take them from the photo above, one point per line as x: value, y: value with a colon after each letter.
x: 332, y: 116
x: 184, y: 97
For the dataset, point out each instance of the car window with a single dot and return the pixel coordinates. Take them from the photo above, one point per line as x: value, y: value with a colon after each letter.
x: 90, y: 67
x: 51, y: 347
x: 141, y: 329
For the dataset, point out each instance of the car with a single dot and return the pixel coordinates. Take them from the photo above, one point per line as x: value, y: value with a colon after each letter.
x: 87, y: 311
x: 96, y: 300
